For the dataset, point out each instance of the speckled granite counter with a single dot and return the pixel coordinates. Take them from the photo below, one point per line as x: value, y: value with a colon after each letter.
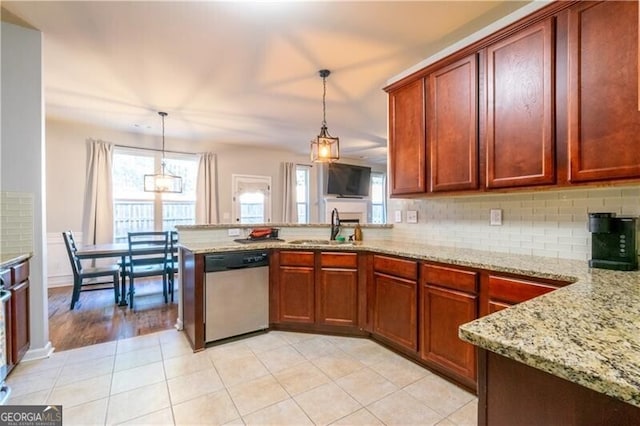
x: 587, y: 332
x: 8, y: 260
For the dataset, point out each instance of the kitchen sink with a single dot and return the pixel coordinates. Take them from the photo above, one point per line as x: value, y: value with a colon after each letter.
x: 319, y: 242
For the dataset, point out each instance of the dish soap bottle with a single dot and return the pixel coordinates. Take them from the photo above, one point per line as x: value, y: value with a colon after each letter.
x: 357, y: 233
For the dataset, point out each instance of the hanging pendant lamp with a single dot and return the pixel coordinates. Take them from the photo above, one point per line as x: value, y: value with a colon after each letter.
x: 163, y: 182
x: 324, y: 147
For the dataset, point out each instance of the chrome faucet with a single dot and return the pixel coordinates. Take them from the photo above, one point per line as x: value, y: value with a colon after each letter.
x: 335, y: 224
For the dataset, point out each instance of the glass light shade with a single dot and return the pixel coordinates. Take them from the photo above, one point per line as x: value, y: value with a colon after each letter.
x: 162, y: 183
x: 325, y: 148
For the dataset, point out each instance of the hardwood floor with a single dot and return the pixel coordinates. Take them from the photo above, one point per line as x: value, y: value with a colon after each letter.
x: 96, y: 319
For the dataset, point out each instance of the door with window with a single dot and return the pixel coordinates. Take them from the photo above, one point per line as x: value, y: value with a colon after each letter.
x: 251, y: 198
x: 135, y: 210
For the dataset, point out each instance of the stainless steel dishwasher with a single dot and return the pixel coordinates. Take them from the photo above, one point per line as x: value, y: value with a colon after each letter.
x: 236, y: 293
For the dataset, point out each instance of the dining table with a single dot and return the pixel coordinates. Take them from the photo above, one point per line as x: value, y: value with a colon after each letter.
x: 117, y: 250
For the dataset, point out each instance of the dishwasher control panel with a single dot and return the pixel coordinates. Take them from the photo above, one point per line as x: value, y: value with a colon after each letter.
x: 236, y: 260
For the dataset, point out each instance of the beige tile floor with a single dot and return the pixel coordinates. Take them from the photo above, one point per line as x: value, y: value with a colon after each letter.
x: 275, y: 378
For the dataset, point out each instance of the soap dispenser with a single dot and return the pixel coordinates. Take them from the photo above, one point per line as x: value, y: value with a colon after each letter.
x: 357, y: 233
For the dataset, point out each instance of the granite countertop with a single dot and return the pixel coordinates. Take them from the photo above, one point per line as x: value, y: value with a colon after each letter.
x: 587, y: 332
x: 277, y: 225
x: 9, y: 259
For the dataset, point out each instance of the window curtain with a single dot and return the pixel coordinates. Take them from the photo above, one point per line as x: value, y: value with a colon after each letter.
x: 206, y: 190
x: 97, y: 222
x: 289, y: 208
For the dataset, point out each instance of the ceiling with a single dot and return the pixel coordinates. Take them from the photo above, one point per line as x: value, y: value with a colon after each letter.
x: 241, y: 72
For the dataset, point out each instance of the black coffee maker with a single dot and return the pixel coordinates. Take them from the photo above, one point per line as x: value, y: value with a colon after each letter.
x: 613, y: 243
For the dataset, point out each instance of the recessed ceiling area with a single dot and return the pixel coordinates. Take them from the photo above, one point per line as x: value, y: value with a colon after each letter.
x: 241, y: 72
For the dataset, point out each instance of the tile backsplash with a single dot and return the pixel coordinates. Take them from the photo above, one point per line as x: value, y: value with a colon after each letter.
x: 16, y: 223
x: 545, y: 223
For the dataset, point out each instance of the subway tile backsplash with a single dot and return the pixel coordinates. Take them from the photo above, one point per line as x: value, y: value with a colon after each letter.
x: 16, y: 223
x: 547, y: 223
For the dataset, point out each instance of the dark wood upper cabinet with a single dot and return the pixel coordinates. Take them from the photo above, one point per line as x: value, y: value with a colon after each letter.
x: 604, y: 121
x: 407, y: 147
x: 520, y: 142
x: 452, y: 126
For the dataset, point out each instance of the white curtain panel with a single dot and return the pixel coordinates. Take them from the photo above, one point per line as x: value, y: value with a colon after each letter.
x: 207, y: 190
x: 97, y: 223
x: 289, y: 213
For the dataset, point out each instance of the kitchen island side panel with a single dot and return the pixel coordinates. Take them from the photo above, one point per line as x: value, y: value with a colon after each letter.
x: 192, y: 281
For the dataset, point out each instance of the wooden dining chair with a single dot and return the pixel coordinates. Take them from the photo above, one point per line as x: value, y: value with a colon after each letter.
x: 86, y: 278
x: 147, y: 257
x: 172, y: 259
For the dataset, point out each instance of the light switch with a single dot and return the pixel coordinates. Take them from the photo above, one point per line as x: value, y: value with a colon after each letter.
x: 234, y: 232
x: 398, y: 216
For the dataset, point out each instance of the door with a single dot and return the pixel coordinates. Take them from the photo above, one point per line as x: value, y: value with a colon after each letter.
x: 520, y: 109
x: 338, y: 297
x: 395, y: 313
x: 407, y: 147
x: 442, y: 312
x: 604, y: 121
x: 453, y: 126
x: 251, y: 198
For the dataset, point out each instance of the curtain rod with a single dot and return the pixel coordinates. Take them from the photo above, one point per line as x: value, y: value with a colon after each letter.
x: 154, y: 149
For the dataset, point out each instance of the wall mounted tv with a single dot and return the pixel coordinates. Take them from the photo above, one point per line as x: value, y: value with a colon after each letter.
x: 347, y: 180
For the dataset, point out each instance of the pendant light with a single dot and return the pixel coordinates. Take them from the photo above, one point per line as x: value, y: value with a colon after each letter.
x: 324, y: 147
x: 163, y: 182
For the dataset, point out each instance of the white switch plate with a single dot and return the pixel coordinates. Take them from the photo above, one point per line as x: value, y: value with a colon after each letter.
x: 412, y: 216
x: 496, y: 217
x: 234, y: 232
x: 398, y: 216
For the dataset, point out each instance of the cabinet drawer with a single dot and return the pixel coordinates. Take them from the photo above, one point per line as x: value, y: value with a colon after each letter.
x: 5, y: 274
x: 20, y: 273
x: 339, y: 260
x: 398, y: 267
x: 296, y: 258
x: 515, y: 290
x: 455, y: 279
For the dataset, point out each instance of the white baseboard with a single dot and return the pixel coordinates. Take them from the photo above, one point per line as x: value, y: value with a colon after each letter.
x: 60, y: 281
x: 39, y: 353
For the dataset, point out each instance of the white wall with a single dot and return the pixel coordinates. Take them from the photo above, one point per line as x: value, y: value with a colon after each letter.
x: 545, y: 223
x: 22, y: 158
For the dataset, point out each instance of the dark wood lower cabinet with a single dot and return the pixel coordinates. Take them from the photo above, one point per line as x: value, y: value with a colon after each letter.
x: 395, y: 313
x: 442, y: 311
x: 511, y: 393
x: 296, y: 288
x: 338, y: 297
x: 15, y: 279
x: 19, y: 321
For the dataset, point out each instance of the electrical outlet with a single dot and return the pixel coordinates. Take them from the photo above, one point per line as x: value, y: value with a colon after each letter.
x: 412, y: 216
x: 496, y: 217
x: 234, y: 232
x: 398, y: 216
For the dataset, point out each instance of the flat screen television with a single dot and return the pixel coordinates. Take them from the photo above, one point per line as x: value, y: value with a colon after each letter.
x: 347, y: 180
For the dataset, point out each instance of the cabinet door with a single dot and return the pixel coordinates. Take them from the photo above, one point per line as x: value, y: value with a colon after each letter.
x: 442, y: 312
x: 296, y: 294
x: 19, y: 321
x: 520, y: 109
x: 338, y: 297
x: 452, y: 126
x: 604, y: 121
x: 395, y: 313
x: 407, y: 150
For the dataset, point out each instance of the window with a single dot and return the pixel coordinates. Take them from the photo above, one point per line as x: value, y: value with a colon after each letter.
x: 135, y: 210
x: 378, y: 198
x: 302, y: 193
x: 251, y: 198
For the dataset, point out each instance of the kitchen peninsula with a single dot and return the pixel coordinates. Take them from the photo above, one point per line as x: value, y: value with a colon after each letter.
x: 586, y: 333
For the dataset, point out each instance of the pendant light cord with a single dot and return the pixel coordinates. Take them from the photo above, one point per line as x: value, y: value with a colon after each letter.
x: 324, y: 104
